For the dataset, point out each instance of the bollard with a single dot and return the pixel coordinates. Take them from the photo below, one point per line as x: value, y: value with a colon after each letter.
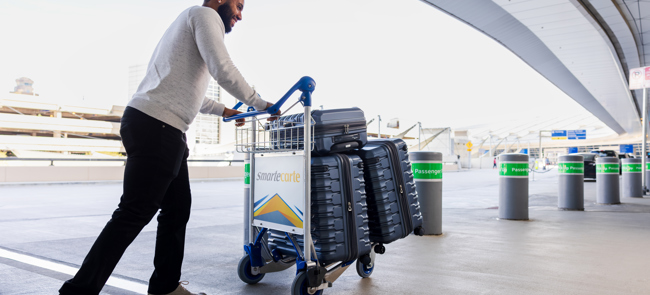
x: 513, y: 186
x: 572, y: 176
x: 631, y: 180
x: 427, y: 174
x: 607, y: 182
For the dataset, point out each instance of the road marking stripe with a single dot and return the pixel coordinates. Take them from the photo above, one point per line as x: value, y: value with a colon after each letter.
x: 112, y: 281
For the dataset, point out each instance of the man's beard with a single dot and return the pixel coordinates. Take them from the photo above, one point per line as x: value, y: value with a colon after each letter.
x: 226, y: 14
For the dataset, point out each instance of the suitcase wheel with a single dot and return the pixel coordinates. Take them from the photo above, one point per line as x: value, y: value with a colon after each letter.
x: 419, y: 231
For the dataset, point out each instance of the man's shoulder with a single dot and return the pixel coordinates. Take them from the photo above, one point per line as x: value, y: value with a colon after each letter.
x: 204, y: 14
x: 201, y: 11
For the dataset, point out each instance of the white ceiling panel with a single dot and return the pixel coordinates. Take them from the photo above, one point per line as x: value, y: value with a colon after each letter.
x: 588, y: 46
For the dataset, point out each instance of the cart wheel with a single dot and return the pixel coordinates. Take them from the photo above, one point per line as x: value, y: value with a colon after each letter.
x: 363, y: 270
x: 300, y: 285
x: 244, y: 271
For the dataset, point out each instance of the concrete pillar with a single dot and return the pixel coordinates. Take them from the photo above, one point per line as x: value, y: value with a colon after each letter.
x: 513, y: 186
x: 427, y: 173
x: 607, y: 181
x: 632, y: 185
x: 571, y: 169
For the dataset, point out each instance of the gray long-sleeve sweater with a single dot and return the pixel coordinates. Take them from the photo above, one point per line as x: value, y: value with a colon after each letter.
x: 191, y: 51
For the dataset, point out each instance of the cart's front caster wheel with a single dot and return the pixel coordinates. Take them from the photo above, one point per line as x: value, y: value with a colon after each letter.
x: 363, y: 270
x: 300, y: 285
x: 244, y: 271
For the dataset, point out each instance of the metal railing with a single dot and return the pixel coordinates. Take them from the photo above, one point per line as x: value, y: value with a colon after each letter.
x: 51, y: 160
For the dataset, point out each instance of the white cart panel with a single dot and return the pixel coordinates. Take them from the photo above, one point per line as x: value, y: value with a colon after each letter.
x: 279, y: 188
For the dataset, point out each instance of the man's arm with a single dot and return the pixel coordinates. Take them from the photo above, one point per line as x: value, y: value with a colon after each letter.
x: 211, y: 106
x: 209, y: 36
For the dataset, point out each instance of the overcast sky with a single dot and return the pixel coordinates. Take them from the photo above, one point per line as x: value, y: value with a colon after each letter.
x: 401, y: 59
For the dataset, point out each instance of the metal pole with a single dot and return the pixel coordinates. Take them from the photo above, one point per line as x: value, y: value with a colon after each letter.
x: 307, y: 222
x: 539, y: 156
x: 517, y: 144
x: 379, y: 127
x: 529, y: 152
x: 251, y: 196
x: 451, y: 146
x: 419, y: 136
x: 645, y: 134
x: 247, y: 194
x: 491, y: 153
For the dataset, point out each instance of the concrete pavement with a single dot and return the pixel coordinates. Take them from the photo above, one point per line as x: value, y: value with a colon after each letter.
x: 603, y: 250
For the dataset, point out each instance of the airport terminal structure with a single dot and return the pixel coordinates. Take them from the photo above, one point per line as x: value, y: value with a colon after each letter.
x: 62, y: 165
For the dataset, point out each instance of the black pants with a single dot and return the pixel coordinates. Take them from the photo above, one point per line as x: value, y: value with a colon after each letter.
x: 155, y: 177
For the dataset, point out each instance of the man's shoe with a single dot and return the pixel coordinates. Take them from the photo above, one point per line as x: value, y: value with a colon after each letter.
x: 182, y: 291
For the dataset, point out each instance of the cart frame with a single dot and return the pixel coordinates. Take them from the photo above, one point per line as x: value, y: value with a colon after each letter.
x: 311, y: 276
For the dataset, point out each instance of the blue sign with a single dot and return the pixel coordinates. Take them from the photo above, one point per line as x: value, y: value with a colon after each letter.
x: 573, y: 150
x: 626, y: 149
x: 558, y: 133
x: 524, y: 151
x: 577, y: 134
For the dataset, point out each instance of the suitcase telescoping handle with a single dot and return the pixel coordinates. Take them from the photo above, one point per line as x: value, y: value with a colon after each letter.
x: 306, y: 85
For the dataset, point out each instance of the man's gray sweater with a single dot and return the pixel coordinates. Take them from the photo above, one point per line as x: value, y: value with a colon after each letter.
x: 191, y: 51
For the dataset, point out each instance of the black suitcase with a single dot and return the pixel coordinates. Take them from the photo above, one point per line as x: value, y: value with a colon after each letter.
x: 339, y: 223
x: 336, y: 130
x: 393, y: 206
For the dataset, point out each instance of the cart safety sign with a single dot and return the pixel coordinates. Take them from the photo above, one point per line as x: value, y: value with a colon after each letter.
x: 279, y: 185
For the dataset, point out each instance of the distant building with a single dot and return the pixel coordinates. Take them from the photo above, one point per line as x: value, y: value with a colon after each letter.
x: 25, y: 86
x: 136, y: 74
x: 31, y: 124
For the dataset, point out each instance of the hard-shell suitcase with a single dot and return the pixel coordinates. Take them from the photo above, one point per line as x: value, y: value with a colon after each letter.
x: 336, y: 130
x: 393, y: 206
x: 339, y: 225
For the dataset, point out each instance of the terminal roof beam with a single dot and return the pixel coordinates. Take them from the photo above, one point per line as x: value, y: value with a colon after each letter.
x: 585, y: 48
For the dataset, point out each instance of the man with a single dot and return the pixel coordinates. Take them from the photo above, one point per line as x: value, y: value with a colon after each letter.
x: 153, y: 129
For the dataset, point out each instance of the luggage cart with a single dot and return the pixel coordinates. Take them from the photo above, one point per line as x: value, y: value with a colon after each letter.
x: 282, y: 201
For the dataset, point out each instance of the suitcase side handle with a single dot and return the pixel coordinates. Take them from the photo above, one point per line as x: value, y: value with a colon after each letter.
x: 306, y: 85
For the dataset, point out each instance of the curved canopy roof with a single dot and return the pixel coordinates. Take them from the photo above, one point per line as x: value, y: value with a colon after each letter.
x: 585, y: 47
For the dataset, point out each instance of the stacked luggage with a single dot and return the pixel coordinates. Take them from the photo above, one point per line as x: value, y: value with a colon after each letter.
x: 393, y: 206
x: 363, y: 193
x: 339, y: 211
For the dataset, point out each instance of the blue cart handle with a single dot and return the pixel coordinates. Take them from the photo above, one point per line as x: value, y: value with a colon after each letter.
x: 306, y: 85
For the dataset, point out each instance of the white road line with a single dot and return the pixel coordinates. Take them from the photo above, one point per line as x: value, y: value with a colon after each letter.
x: 112, y: 281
